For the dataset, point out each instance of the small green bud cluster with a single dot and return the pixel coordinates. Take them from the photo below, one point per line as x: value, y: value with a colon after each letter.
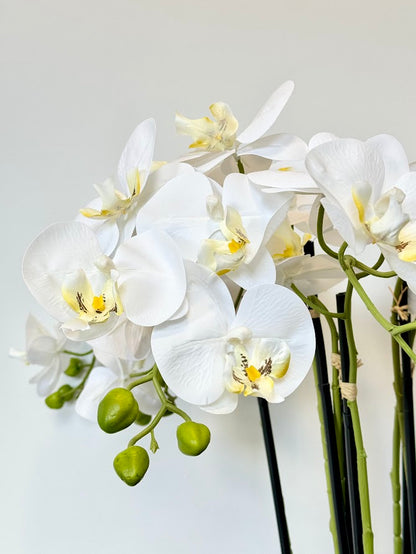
x: 119, y: 409
x: 57, y: 399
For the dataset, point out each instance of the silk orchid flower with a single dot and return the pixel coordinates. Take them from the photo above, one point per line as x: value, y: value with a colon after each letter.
x: 112, y: 215
x: 224, y: 229
x: 67, y: 272
x: 217, y: 140
x: 370, y: 197
x: 45, y: 349
x: 212, y: 355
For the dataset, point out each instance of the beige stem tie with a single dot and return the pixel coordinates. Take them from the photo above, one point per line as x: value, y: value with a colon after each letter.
x: 348, y: 390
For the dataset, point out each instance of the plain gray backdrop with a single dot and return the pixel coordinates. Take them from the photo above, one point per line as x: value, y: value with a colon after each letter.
x: 77, y: 77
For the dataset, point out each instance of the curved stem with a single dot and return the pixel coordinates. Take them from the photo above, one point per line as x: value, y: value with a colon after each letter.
x: 320, y: 234
x: 312, y: 302
x: 77, y: 353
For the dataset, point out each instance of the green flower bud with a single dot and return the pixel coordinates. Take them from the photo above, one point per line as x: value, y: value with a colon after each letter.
x: 75, y: 366
x: 54, y: 401
x: 131, y: 464
x: 66, y: 392
x: 117, y: 410
x: 193, y: 438
x: 143, y: 419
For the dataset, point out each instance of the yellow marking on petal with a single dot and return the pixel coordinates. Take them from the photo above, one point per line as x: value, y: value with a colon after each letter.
x: 223, y: 272
x: 253, y: 373
x: 288, y: 168
x: 359, y: 205
x: 90, y: 212
x: 133, y: 181
x: 98, y: 303
x: 234, y: 246
x: 282, y: 369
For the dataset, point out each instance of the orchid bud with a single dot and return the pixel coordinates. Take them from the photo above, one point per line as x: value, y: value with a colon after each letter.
x: 131, y: 464
x: 75, y: 366
x: 54, y: 401
x: 117, y: 410
x: 193, y: 438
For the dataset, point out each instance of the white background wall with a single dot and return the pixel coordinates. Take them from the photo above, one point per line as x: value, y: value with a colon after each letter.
x: 76, y: 78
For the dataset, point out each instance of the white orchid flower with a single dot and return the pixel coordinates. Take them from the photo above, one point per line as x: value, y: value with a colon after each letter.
x: 112, y: 215
x: 370, y: 197
x: 291, y: 174
x: 87, y: 292
x: 227, y: 232
x: 217, y: 140
x: 46, y: 349
x: 212, y: 355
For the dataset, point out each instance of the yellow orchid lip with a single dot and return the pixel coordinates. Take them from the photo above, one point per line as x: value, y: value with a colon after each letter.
x: 214, y: 135
x: 257, y: 379
x: 90, y: 308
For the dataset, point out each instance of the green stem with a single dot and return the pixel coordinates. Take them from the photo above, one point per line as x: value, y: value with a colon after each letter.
x: 137, y: 382
x: 373, y: 270
x: 312, y: 302
x: 78, y: 388
x: 395, y: 484
x: 77, y: 353
x: 368, y: 538
x: 332, y: 524
x: 149, y: 428
x: 320, y: 234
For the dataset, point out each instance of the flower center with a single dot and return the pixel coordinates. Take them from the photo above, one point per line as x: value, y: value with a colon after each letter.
x: 212, y: 135
x: 78, y: 293
x: 256, y: 373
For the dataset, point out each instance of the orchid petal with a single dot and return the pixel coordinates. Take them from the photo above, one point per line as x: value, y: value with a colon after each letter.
x: 60, y: 249
x: 261, y: 270
x: 276, y: 147
x: 190, y: 352
x: 187, y: 222
x: 272, y: 311
x: 393, y: 156
x: 137, y: 154
x: 152, y: 277
x: 267, y: 114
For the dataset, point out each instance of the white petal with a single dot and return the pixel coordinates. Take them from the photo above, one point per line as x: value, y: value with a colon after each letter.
x: 356, y: 237
x: 180, y: 209
x: 267, y: 114
x: 320, y: 138
x: 100, y: 381
x: 127, y: 341
x: 60, y: 249
x: 296, y: 181
x: 157, y: 179
x: 341, y: 165
x: 152, y: 278
x: 407, y: 183
x: 138, y: 153
x: 225, y: 404
x: 77, y: 330
x: 394, y: 158
x: 47, y: 379
x: 190, y: 352
x: 272, y: 311
x: 310, y: 275
x: 405, y: 270
x: 147, y: 398
x: 261, y: 270
x: 276, y: 147
x: 255, y: 208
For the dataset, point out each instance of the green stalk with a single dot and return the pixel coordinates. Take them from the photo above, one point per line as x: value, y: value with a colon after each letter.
x: 368, y: 537
x: 332, y: 525
x: 395, y: 485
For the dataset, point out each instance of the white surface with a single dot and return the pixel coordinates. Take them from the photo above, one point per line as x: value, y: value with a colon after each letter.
x: 76, y: 78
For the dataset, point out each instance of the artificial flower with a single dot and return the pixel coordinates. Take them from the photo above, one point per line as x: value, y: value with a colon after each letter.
x: 212, y: 355
x: 87, y: 291
x: 224, y: 229
x: 370, y: 197
x: 217, y: 141
x: 45, y: 349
